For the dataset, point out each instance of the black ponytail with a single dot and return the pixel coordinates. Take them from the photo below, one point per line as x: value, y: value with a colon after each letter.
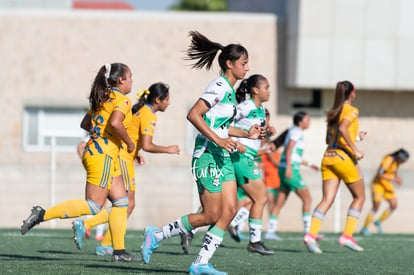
x: 157, y: 90
x: 247, y: 85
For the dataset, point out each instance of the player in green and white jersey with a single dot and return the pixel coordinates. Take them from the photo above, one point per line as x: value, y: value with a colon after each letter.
x: 290, y: 162
x: 251, y: 112
x: 212, y: 115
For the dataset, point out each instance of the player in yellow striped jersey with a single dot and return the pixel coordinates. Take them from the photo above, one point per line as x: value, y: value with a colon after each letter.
x: 106, y: 121
x: 382, y: 188
x: 340, y: 162
x: 141, y: 130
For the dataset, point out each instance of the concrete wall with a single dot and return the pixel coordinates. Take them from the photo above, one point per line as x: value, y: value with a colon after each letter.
x: 367, y: 41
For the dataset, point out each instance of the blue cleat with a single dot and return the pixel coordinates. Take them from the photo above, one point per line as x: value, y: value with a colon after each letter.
x: 104, y: 250
x: 205, y: 269
x: 150, y: 243
x: 78, y: 232
x: 379, y: 227
x: 365, y: 232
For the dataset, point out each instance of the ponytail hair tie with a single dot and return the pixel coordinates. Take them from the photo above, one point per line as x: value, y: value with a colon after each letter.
x: 141, y: 93
x: 107, y: 70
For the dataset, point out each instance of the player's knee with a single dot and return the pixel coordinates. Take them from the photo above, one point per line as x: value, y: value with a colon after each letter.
x: 94, y: 206
x: 121, y: 202
x: 212, y: 216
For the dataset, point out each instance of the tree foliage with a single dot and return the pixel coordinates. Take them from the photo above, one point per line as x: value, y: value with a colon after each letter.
x: 201, y: 5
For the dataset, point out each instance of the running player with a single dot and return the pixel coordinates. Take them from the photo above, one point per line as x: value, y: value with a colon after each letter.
x: 340, y: 162
x: 382, y: 188
x: 251, y: 112
x: 155, y: 98
x: 107, y: 120
x: 289, y: 174
x: 212, y: 169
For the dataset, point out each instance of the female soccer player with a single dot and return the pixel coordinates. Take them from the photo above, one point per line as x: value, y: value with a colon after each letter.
x: 107, y: 120
x: 251, y: 112
x: 212, y: 169
x: 290, y: 177
x: 382, y: 188
x: 340, y: 162
x: 141, y: 130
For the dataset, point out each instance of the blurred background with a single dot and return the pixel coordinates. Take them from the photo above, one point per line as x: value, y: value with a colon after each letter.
x: 51, y: 50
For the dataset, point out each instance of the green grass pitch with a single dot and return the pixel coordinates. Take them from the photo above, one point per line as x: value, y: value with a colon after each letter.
x: 43, y: 251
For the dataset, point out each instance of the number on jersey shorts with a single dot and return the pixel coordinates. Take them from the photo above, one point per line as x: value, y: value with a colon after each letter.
x: 295, y: 182
x: 210, y: 171
x: 245, y: 168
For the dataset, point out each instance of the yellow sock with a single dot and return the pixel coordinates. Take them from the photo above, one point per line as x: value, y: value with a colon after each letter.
x: 107, y: 240
x: 385, y: 215
x: 117, y: 225
x: 317, y: 219
x: 369, y: 219
x: 351, y: 221
x: 100, y: 218
x: 68, y: 209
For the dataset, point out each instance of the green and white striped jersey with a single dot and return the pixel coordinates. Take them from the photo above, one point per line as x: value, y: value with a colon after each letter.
x: 247, y: 116
x: 220, y: 97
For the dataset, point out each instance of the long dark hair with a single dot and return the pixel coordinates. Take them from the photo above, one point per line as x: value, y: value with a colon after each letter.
x: 203, y: 51
x: 401, y: 154
x: 247, y: 85
x: 342, y: 92
x: 106, y: 78
x: 157, y: 90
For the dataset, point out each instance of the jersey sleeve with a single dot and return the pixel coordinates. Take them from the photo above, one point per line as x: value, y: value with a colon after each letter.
x: 385, y: 164
x: 241, y: 111
x: 122, y: 104
x: 213, y: 93
x: 350, y: 113
x: 295, y: 134
x: 148, y: 120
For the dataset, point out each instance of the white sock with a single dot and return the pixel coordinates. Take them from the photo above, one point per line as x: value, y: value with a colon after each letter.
x: 210, y: 244
x: 170, y: 230
x: 255, y: 229
x: 272, y: 225
x: 100, y: 229
x: 242, y: 214
x: 307, y: 218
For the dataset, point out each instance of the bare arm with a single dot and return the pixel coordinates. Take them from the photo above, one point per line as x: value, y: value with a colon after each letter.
x: 343, y: 129
x: 115, y: 121
x: 149, y: 146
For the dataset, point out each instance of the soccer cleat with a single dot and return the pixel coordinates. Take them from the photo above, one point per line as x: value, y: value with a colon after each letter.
x: 365, y: 232
x: 186, y: 239
x: 234, y: 233
x: 350, y: 243
x: 259, y: 247
x: 34, y: 219
x: 320, y: 236
x: 124, y: 257
x: 104, y: 250
x: 270, y: 236
x: 311, y: 244
x: 78, y: 232
x: 379, y: 227
x: 204, y: 269
x: 150, y: 243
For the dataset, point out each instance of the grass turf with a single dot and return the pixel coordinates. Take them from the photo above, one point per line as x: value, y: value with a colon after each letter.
x: 43, y: 251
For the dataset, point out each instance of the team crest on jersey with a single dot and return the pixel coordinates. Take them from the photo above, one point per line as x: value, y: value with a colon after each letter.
x: 126, y: 102
x: 153, y: 123
x: 216, y: 100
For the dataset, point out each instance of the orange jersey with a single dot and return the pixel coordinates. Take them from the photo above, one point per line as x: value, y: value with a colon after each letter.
x: 271, y: 175
x: 335, y: 139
